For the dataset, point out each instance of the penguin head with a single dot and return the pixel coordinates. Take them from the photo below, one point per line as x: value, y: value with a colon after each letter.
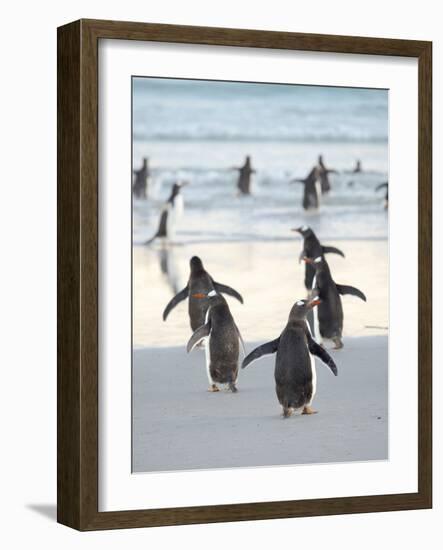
x: 317, y: 263
x: 304, y: 230
x: 176, y: 188
x: 196, y: 264
x: 302, y: 307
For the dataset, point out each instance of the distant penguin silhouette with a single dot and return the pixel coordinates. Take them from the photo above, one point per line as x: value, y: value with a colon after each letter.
x: 323, y: 173
x: 141, y: 179
x: 295, y: 375
x: 358, y: 168
x: 222, y: 341
x: 171, y: 211
x: 381, y: 186
x: 312, y: 191
x: 244, y: 177
x: 328, y: 319
x: 312, y: 248
x: 200, y: 282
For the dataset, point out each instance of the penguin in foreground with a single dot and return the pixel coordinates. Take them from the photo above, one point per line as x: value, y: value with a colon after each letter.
x: 222, y: 341
x: 172, y: 210
x: 324, y: 175
x: 381, y: 186
x: 312, y: 191
x: 141, y: 179
x: 200, y: 282
x: 244, y: 177
x: 328, y: 318
x: 312, y: 249
x: 295, y: 376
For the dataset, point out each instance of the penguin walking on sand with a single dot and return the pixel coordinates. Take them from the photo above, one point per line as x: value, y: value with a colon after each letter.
x: 171, y: 211
x: 141, y: 180
x: 324, y: 175
x: 312, y: 248
x: 222, y: 341
x: 381, y: 186
x: 328, y: 317
x: 312, y: 190
x: 295, y: 375
x: 200, y: 282
x: 244, y: 177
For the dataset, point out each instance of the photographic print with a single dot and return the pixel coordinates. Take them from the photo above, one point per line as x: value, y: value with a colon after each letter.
x: 260, y: 274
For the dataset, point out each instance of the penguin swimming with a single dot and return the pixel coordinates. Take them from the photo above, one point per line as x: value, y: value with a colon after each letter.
x: 312, y: 249
x: 385, y: 184
x: 222, y: 341
x: 312, y: 191
x: 141, y: 179
x: 295, y: 376
x: 171, y: 211
x: 244, y: 177
x: 328, y: 318
x: 324, y: 175
x: 200, y: 282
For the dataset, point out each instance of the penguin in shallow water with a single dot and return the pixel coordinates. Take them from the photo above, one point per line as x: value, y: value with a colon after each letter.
x: 295, y: 376
x: 381, y: 186
x: 311, y: 190
x: 328, y: 318
x: 244, y: 177
x: 222, y: 341
x: 324, y: 175
x: 172, y: 210
x: 141, y: 179
x: 200, y: 282
x: 312, y: 249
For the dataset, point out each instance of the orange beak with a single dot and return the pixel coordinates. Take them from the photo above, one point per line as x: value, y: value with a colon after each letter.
x: 308, y: 260
x: 199, y: 295
x: 314, y: 302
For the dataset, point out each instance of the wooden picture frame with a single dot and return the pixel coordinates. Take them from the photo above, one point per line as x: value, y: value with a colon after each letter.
x: 77, y: 455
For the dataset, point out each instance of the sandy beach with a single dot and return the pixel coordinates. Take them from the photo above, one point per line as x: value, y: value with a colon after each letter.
x: 178, y: 425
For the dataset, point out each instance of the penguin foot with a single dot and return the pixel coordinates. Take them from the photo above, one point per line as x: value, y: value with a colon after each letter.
x: 233, y: 388
x: 308, y: 410
x: 338, y: 343
x: 287, y: 412
x: 213, y: 388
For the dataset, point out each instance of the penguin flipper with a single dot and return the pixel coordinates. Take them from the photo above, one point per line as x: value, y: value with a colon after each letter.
x: 381, y: 185
x: 332, y: 250
x: 264, y: 349
x: 225, y: 289
x: 321, y: 353
x: 182, y: 295
x: 346, y: 289
x: 201, y: 333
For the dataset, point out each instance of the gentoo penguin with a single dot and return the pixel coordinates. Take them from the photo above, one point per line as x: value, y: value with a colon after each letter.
x: 358, y: 167
x: 312, y: 191
x: 311, y: 249
x: 244, y: 177
x: 141, y: 178
x: 200, y: 282
x: 328, y: 318
x: 323, y: 173
x: 295, y: 376
x: 222, y: 339
x: 171, y: 211
x: 385, y: 184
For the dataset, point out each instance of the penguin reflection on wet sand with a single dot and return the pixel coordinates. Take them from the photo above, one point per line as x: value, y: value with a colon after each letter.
x: 141, y: 179
x: 381, y: 186
x: 222, y: 341
x: 311, y: 190
x: 295, y: 375
x: 200, y: 282
x: 171, y: 211
x: 244, y: 177
x: 312, y: 249
x: 328, y: 318
x: 324, y: 175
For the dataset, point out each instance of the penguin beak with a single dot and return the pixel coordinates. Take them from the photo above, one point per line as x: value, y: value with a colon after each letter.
x: 296, y: 229
x: 184, y: 183
x: 314, y: 302
x: 199, y: 295
x: 308, y: 260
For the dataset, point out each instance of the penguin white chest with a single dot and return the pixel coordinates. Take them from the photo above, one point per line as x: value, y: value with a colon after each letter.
x: 178, y: 206
x: 313, y: 371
